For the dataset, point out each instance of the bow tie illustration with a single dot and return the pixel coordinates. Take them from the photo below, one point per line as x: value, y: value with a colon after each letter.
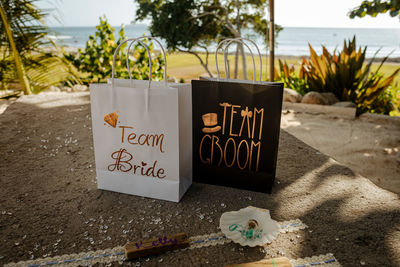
x: 246, y: 113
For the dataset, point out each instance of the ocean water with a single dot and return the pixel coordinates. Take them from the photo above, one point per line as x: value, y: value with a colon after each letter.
x: 292, y: 41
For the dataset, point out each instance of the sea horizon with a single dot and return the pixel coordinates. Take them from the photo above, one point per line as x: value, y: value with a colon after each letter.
x: 291, y: 41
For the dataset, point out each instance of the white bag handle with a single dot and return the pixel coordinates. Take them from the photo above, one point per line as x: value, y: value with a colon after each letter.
x: 225, y: 60
x: 163, y: 52
x: 254, y: 44
x: 251, y: 53
x: 127, y: 59
x: 132, y: 40
x: 113, y: 74
x: 216, y: 55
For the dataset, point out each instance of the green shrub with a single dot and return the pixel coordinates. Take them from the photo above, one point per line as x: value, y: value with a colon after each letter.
x: 287, y: 75
x: 95, y: 61
x: 345, y: 74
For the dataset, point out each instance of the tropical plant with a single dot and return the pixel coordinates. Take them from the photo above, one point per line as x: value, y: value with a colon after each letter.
x: 22, y: 41
x: 190, y: 25
x: 95, y: 61
x: 288, y: 76
x: 375, y: 7
x: 345, y: 74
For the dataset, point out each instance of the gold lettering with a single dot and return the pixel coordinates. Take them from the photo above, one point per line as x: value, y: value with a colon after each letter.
x: 241, y: 127
x: 156, y: 138
x: 200, y: 150
x: 246, y: 114
x: 135, y: 168
x: 122, y: 159
x: 234, y: 152
x: 223, y: 121
x: 233, y: 112
x: 261, y: 122
x: 160, y: 172
x: 123, y: 132
x: 247, y: 154
x: 131, y: 137
x: 140, y: 136
x: 258, y: 153
x: 212, y: 149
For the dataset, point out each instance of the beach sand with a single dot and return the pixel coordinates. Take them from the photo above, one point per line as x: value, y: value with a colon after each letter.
x: 51, y: 205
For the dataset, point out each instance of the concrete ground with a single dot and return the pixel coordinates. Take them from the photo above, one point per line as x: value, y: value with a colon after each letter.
x: 369, y: 144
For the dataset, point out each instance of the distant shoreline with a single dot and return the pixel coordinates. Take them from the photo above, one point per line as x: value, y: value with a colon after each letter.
x: 392, y: 60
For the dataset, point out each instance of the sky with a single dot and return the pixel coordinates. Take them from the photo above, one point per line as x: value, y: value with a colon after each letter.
x: 288, y: 13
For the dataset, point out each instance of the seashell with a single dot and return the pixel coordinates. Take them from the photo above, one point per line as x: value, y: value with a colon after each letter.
x: 249, y: 226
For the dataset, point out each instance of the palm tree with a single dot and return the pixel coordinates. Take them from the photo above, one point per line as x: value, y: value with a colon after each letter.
x: 22, y: 41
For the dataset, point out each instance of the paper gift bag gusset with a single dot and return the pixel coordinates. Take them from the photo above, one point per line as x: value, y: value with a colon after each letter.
x: 142, y: 137
x: 236, y: 127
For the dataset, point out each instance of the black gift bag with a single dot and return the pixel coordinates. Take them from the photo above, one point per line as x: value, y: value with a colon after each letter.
x: 236, y: 127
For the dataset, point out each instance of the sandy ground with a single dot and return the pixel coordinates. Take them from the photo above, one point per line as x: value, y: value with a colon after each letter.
x: 50, y: 205
x: 369, y: 145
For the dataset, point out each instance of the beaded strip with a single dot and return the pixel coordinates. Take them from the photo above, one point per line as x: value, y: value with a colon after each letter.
x: 117, y: 253
x: 292, y: 226
x: 327, y: 260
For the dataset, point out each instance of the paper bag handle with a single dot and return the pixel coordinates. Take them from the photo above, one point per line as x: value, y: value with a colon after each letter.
x: 127, y: 58
x: 132, y: 40
x: 258, y: 51
x: 225, y: 61
x: 216, y: 54
x: 251, y: 53
x: 162, y: 50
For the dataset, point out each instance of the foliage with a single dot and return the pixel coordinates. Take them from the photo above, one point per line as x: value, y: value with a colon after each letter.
x: 22, y: 54
x: 189, y: 24
x: 375, y: 7
x: 347, y: 75
x: 288, y: 76
x: 386, y: 103
x: 25, y: 21
x: 96, y: 60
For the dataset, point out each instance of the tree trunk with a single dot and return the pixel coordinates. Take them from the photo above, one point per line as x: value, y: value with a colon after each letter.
x: 18, y: 62
x: 271, y: 40
x: 237, y: 61
x: 237, y: 45
x: 244, y: 62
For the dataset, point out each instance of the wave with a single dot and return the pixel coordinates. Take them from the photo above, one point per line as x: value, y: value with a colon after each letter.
x: 59, y: 37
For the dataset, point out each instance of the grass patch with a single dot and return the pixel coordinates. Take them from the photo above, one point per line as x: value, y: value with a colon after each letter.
x: 186, y: 66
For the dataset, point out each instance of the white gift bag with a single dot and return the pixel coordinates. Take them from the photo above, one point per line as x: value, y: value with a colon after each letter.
x: 142, y: 134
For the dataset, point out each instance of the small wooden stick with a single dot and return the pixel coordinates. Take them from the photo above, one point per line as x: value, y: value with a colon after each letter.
x: 156, y: 246
x: 275, y: 262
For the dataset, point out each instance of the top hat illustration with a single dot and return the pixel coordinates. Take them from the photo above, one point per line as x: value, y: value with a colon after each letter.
x: 210, y: 120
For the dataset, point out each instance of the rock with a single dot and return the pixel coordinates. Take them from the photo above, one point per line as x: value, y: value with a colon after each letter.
x: 290, y: 95
x: 398, y: 156
x: 66, y: 89
x: 79, y: 88
x: 172, y: 79
x: 345, y: 104
x: 53, y: 89
x: 330, y: 98
x: 314, y: 98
